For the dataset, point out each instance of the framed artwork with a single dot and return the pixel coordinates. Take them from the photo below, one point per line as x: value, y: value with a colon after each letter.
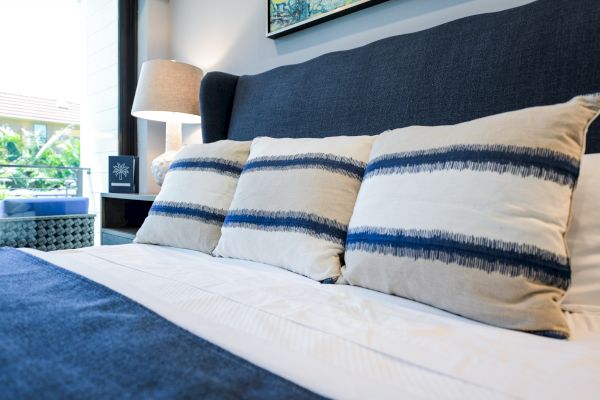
x: 287, y: 16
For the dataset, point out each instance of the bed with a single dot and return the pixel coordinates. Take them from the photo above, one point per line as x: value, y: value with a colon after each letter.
x: 309, y: 339
x: 376, y: 346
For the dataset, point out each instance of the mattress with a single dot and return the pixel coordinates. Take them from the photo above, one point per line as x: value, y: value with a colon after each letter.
x: 341, y: 341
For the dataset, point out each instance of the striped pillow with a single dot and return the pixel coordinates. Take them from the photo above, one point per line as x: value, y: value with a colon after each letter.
x: 192, y: 203
x: 293, y: 203
x: 471, y: 218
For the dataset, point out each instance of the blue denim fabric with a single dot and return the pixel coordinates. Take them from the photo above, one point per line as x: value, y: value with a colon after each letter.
x: 64, y: 336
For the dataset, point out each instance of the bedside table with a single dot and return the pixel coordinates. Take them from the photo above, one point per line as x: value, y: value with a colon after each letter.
x: 122, y: 216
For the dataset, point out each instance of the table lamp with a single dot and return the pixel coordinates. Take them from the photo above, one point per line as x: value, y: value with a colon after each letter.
x: 168, y: 91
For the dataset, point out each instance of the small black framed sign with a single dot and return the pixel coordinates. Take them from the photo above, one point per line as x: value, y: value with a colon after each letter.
x: 123, y: 175
x: 287, y: 16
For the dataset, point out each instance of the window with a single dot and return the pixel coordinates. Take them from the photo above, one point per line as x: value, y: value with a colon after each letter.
x: 58, y: 110
x: 40, y: 133
x: 40, y: 101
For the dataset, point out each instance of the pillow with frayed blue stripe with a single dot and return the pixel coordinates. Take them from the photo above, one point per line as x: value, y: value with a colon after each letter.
x: 192, y: 203
x: 293, y: 203
x: 471, y: 218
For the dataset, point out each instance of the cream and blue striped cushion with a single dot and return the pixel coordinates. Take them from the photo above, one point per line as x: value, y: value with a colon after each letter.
x: 471, y: 218
x: 293, y: 203
x: 198, y: 188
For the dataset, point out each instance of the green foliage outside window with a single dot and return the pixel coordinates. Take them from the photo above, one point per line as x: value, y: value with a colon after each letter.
x: 61, y: 150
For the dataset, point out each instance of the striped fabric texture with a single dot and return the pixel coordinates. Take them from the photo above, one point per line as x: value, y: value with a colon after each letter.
x: 198, y: 188
x: 293, y: 203
x: 471, y: 218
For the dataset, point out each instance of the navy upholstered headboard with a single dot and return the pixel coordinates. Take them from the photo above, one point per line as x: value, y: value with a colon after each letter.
x: 542, y: 53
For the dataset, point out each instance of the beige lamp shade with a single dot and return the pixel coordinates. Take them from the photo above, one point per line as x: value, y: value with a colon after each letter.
x: 168, y: 91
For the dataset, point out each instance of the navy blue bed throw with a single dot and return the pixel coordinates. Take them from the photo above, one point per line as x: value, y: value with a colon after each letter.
x: 65, y: 336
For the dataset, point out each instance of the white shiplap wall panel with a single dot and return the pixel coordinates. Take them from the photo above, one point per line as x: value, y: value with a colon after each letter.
x: 102, y: 58
x: 103, y: 99
x: 103, y: 20
x: 107, y: 73
x: 105, y: 121
x: 105, y: 143
x: 94, y: 7
x: 99, y: 111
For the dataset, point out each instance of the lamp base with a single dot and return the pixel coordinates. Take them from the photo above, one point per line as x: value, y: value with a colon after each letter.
x: 161, y: 164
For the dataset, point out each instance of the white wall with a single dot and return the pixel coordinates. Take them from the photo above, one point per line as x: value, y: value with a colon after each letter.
x: 229, y: 35
x: 154, y: 41
x: 99, y: 137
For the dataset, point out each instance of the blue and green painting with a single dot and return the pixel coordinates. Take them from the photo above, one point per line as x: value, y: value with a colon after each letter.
x: 283, y: 13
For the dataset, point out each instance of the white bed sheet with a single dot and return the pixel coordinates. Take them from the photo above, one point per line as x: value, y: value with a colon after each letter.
x: 342, y: 341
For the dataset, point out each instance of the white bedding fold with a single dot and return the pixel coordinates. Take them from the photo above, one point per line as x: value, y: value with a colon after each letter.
x: 343, y: 341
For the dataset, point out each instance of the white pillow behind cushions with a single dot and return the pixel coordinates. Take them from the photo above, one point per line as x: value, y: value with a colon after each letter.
x: 471, y: 218
x: 192, y: 203
x: 293, y: 203
x: 583, y: 239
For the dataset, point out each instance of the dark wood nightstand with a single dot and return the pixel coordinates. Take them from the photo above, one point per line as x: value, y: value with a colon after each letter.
x: 122, y: 216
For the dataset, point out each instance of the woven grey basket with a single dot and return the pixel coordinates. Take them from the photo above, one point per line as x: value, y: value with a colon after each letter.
x: 48, y: 233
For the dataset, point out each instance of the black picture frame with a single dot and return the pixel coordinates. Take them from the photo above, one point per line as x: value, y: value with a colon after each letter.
x: 335, y: 13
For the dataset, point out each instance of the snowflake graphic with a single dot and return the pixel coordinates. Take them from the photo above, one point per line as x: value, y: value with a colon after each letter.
x: 120, y: 171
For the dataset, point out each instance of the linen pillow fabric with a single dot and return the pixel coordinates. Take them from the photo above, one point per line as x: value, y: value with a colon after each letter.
x: 471, y: 218
x: 583, y: 240
x: 192, y: 203
x: 293, y: 203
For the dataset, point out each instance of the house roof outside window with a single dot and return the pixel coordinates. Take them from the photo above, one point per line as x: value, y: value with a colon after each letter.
x: 38, y: 109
